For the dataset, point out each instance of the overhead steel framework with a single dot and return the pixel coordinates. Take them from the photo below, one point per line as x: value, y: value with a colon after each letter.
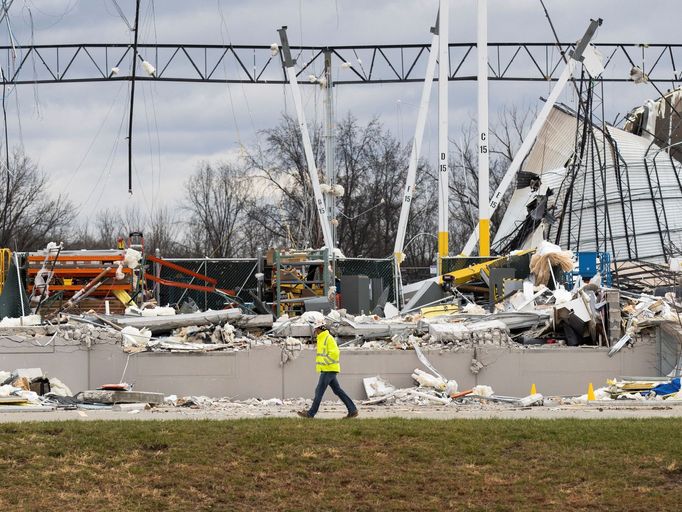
x: 363, y: 64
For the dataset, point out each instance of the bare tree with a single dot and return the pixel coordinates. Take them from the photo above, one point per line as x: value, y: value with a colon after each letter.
x: 132, y: 219
x: 29, y: 217
x: 290, y: 216
x: 112, y: 224
x: 108, y: 228
x: 218, y: 200
x: 506, y: 137
x: 160, y: 228
x: 162, y: 232
x: 81, y: 237
x: 371, y: 165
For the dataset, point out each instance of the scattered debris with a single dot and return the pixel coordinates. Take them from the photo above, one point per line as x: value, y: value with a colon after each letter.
x: 376, y: 386
x: 101, y: 396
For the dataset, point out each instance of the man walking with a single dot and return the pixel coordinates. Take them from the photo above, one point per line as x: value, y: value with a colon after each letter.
x: 327, y: 364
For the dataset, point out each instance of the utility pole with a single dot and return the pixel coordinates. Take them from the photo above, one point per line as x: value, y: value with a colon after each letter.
x: 443, y: 172
x: 132, y: 99
x: 330, y: 151
x: 576, y: 57
x: 6, y: 4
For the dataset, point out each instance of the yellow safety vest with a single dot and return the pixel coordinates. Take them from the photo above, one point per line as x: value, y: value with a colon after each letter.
x: 327, y: 359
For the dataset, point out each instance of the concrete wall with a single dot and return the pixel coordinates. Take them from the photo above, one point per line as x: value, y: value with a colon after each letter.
x: 69, y: 363
x: 258, y: 372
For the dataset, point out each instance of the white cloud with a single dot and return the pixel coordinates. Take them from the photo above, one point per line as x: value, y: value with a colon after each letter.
x: 203, y: 122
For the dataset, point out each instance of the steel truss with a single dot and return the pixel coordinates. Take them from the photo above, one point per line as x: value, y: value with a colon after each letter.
x: 357, y: 64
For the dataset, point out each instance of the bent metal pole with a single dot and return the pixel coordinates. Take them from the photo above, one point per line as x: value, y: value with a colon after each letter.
x: 416, y: 147
x: 575, y: 57
x: 307, y: 146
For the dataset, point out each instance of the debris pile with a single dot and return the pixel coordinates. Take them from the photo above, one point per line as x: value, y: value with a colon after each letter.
x: 30, y: 389
x: 76, y: 332
x: 470, y: 332
x: 193, y: 338
x: 544, y: 300
x: 550, y: 302
x: 436, y: 390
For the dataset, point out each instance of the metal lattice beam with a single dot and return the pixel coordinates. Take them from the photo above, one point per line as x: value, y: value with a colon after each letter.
x: 357, y: 64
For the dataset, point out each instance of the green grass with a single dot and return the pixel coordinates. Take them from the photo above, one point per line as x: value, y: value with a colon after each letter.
x: 387, y: 464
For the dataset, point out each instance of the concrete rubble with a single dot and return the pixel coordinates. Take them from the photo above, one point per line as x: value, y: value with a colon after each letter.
x: 511, y: 325
x: 540, y: 312
x: 30, y: 390
x: 543, y: 310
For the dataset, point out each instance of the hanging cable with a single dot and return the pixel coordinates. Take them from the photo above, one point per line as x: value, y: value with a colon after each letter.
x: 132, y: 99
x: 158, y: 140
x: 558, y: 43
x: 69, y: 8
x: 68, y: 183
x: 122, y: 15
x: 226, y: 32
x: 149, y: 144
x: 109, y: 162
x: 19, y: 124
x: 36, y: 97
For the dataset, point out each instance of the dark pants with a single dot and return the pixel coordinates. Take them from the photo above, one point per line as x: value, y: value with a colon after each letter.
x: 329, y: 379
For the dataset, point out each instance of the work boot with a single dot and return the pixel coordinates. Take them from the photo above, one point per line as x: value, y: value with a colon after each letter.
x: 350, y: 415
x: 304, y: 414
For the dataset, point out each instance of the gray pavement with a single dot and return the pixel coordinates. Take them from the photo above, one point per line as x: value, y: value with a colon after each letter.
x: 592, y: 411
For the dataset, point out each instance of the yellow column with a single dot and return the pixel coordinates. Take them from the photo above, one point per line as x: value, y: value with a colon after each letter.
x: 442, y: 249
x: 484, y: 237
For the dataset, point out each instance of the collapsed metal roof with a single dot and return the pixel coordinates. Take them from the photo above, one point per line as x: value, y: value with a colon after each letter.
x: 611, y: 191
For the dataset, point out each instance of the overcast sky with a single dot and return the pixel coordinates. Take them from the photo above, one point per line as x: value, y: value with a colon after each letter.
x: 76, y: 132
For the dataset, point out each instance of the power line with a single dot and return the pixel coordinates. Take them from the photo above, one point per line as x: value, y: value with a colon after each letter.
x: 132, y: 98
x: 94, y: 139
x: 122, y: 15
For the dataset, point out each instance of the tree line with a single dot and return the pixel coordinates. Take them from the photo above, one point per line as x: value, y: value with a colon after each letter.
x: 264, y: 198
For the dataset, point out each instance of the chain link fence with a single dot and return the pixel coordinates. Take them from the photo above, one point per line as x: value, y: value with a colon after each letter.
x: 383, y: 269
x: 235, y: 276
x: 238, y: 277
x: 415, y: 274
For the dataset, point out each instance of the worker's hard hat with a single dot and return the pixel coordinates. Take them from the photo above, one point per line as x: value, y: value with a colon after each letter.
x: 316, y: 324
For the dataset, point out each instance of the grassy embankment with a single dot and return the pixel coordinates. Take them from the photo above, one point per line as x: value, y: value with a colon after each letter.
x: 387, y: 464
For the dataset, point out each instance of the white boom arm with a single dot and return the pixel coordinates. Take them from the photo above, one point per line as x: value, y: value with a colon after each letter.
x: 307, y: 146
x: 416, y: 146
x: 576, y: 56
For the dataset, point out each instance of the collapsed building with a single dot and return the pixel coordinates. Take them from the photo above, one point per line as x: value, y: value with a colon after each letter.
x: 581, y: 288
x: 614, y: 192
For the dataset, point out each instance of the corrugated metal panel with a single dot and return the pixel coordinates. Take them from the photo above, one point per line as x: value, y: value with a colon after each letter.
x: 516, y: 210
x: 633, y: 219
x: 626, y: 220
x: 554, y: 145
x: 648, y: 213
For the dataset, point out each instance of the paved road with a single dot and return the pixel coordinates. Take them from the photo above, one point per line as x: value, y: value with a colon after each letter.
x: 592, y: 411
